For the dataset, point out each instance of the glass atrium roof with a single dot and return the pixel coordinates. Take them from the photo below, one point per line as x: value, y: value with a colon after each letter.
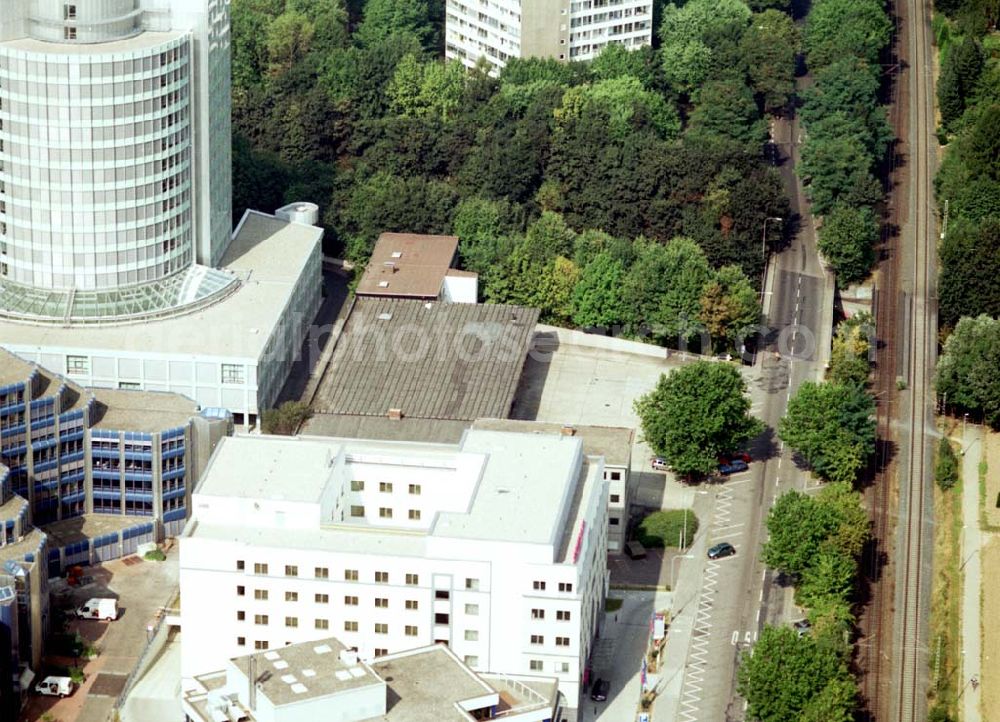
x: 194, y: 287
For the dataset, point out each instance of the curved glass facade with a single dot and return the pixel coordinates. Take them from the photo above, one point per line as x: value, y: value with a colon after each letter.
x: 96, y: 164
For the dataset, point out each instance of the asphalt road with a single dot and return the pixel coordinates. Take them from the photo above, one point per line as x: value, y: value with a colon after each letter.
x: 737, y: 596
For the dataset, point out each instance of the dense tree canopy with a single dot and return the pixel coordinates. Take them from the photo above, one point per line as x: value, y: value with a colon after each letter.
x: 695, y: 413
x: 967, y: 370
x: 832, y: 427
x: 847, y: 241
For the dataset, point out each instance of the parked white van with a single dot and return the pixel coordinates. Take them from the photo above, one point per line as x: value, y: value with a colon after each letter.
x: 99, y: 609
x: 55, y: 686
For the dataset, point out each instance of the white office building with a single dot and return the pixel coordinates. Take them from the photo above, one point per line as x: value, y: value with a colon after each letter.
x: 498, y: 30
x: 115, y: 160
x: 494, y: 546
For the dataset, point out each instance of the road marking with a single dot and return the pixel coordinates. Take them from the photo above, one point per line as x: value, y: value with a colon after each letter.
x: 758, y: 614
x: 748, y: 638
x: 729, y: 526
x: 763, y: 574
x: 727, y: 536
x: 735, y: 638
x: 760, y: 597
x: 736, y: 482
x: 779, y: 462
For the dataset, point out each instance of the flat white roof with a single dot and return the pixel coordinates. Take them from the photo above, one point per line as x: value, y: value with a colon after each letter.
x: 267, y: 254
x: 522, y: 496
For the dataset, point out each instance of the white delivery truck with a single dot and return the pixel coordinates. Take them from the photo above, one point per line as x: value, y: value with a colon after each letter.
x: 99, y: 609
x: 55, y: 687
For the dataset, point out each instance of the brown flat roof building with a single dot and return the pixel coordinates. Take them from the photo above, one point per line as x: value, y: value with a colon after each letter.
x: 408, y: 265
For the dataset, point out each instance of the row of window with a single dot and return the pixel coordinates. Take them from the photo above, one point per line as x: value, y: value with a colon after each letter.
x: 384, y: 512
x: 350, y: 600
x: 410, y: 630
x: 384, y: 487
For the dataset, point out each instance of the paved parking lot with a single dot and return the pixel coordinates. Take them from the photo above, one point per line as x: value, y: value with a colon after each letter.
x: 141, y: 589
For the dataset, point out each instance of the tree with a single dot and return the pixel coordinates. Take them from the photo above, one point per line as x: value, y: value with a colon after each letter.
x: 841, y: 28
x: 686, y: 56
x: 729, y: 304
x: 286, y: 419
x: 849, y: 356
x: 836, y: 702
x: 597, y: 299
x: 383, y: 18
x: 422, y: 89
x: 528, y: 270
x: 696, y: 413
x: 964, y: 288
x: 797, y: 526
x: 847, y: 241
x: 946, y: 465
x: 960, y: 70
x: 786, y: 673
x: 832, y: 427
x: 837, y: 169
x: 623, y: 99
x: 687, y: 272
x: 768, y: 47
x: 727, y: 108
x: 289, y: 39
x: 830, y: 575
x: 967, y: 369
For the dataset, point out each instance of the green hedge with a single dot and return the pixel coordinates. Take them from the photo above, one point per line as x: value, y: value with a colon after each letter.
x: 664, y: 528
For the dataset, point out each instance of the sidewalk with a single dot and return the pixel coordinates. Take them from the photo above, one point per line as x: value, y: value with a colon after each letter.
x: 972, y: 579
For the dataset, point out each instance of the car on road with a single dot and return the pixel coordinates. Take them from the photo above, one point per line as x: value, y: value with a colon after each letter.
x: 55, y: 687
x: 659, y: 463
x: 735, y: 456
x: 733, y: 467
x: 802, y: 627
x: 721, y: 551
x: 599, y: 692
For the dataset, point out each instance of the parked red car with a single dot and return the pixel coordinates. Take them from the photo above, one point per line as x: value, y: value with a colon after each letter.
x: 735, y: 456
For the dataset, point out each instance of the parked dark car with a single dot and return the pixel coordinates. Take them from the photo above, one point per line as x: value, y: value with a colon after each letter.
x: 721, y: 550
x: 802, y: 627
x: 735, y: 456
x: 635, y: 550
x: 599, y: 692
x: 733, y: 467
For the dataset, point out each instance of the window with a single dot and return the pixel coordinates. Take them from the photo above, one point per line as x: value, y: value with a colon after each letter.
x: 562, y: 667
x: 233, y: 374
x: 412, y: 604
x: 381, y: 577
x: 384, y: 512
x: 613, y: 521
x: 413, y: 579
x: 615, y: 498
x: 562, y: 615
x: 291, y: 596
x: 349, y: 626
x: 381, y: 628
x: 78, y: 364
x: 381, y: 603
x: 380, y: 652
x: 241, y: 615
x: 260, y: 594
x: 535, y: 665
x: 129, y: 385
x: 562, y: 641
x: 260, y: 644
x: 350, y: 601
x: 538, y: 586
x: 357, y: 510
x: 69, y: 12
x: 322, y: 599
x: 537, y: 639
x: 291, y: 571
x: 69, y: 33
x: 241, y: 590
x: 565, y: 587
x: 260, y: 619
x: 471, y: 635
x: 414, y: 514
x: 357, y: 485
x: 385, y: 487
x: 538, y: 614
x: 292, y: 622
x: 441, y: 618
x: 415, y: 489
x: 472, y: 584
x: 241, y: 641
x: 472, y: 610
x: 616, y: 476
x: 321, y: 573
x: 322, y: 624
x: 259, y: 568
x: 240, y: 565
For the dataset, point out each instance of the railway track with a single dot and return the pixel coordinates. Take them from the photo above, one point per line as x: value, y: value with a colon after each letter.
x: 894, y: 650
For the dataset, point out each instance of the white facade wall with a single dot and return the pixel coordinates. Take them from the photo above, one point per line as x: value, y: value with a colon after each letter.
x: 460, y: 289
x: 501, y: 605
x: 494, y: 29
x: 618, y: 505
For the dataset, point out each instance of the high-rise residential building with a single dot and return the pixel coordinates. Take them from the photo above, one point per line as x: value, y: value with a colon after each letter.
x: 495, y: 546
x: 498, y: 30
x: 115, y: 187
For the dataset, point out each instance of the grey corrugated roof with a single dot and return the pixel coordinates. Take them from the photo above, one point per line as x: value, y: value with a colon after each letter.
x: 431, y: 360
